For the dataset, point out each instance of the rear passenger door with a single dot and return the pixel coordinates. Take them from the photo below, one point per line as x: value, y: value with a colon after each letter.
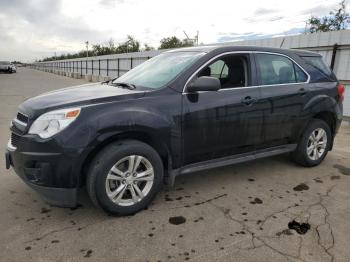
x: 284, y: 92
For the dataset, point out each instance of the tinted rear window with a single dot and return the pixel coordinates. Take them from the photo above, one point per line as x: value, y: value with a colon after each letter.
x: 319, y: 65
x: 278, y: 69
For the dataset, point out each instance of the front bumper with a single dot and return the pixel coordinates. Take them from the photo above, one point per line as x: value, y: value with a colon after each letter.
x: 50, y: 174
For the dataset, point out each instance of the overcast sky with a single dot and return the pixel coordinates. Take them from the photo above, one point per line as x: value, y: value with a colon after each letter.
x: 33, y: 29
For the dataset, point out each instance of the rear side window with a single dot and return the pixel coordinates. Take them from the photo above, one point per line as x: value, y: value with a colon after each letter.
x: 323, y: 70
x: 276, y: 69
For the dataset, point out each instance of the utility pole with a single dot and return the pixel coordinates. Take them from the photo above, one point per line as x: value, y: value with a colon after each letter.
x: 87, y: 49
x: 186, y: 35
x: 127, y: 45
x: 193, y: 40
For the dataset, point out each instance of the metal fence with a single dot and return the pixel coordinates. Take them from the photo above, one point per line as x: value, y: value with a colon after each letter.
x: 106, y: 66
x: 111, y: 67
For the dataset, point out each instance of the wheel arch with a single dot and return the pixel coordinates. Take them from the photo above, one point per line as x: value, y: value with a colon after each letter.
x: 328, y: 117
x: 160, y: 147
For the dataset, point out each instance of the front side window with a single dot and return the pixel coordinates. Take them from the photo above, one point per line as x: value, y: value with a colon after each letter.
x: 231, y: 70
x: 276, y: 69
x: 159, y: 70
x: 219, y: 69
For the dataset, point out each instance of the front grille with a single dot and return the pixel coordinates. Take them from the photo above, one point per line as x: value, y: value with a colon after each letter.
x: 23, y: 118
x: 14, y: 139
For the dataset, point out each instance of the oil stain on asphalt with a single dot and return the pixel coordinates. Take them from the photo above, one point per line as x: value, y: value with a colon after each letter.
x: 45, y: 210
x: 177, y: 220
x: 256, y: 201
x: 88, y: 253
x: 343, y: 169
x: 301, y: 187
x: 300, y: 228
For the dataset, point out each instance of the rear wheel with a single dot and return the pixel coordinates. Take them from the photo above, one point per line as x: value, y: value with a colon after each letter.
x: 125, y: 177
x: 314, y: 144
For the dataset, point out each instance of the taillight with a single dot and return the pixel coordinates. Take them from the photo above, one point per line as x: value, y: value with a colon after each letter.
x: 341, y: 92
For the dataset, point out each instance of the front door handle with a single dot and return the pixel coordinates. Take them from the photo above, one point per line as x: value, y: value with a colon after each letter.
x: 248, y: 100
x: 302, y: 91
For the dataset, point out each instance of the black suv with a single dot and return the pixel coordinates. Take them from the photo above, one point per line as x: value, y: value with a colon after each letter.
x: 182, y: 111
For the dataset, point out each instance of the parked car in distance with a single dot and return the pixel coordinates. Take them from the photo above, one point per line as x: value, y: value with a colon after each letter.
x: 182, y: 111
x: 6, y: 66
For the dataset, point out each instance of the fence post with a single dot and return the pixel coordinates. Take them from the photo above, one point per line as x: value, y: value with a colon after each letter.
x: 81, y: 68
x: 92, y: 67
x: 130, y: 63
x: 334, y: 53
x: 86, y: 69
x: 118, y: 68
x: 99, y: 67
x: 107, y: 67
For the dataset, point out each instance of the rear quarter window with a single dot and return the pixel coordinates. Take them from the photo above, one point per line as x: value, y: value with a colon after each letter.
x: 322, y: 71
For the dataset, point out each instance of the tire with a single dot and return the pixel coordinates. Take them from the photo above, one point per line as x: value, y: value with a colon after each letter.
x: 310, y: 158
x: 99, y: 181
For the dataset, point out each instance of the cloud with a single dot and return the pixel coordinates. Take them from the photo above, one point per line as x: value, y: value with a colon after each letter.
x: 110, y: 3
x: 319, y: 10
x: 232, y: 37
x: 31, y: 29
x: 43, y: 16
x: 264, y: 11
x: 41, y: 25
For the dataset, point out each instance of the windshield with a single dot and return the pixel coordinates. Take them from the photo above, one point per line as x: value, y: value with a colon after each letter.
x: 159, y: 70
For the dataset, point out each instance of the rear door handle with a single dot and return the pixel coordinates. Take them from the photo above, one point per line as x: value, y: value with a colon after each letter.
x: 248, y: 100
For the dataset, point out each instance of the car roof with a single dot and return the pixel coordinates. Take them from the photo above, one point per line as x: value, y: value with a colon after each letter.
x: 232, y: 48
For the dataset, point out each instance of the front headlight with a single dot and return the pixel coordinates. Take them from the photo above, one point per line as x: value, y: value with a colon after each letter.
x: 53, y: 122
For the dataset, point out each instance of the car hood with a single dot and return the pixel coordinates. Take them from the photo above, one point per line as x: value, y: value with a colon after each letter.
x: 76, y: 96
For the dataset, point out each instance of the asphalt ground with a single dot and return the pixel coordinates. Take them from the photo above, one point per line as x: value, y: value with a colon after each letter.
x: 243, y: 212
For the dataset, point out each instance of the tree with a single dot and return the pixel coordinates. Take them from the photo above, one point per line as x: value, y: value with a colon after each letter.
x: 174, y: 42
x: 148, y: 47
x: 130, y: 45
x: 336, y: 20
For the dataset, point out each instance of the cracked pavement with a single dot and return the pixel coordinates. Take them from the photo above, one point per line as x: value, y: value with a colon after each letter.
x: 235, y: 213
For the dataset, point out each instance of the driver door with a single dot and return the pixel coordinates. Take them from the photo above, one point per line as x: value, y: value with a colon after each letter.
x: 226, y: 122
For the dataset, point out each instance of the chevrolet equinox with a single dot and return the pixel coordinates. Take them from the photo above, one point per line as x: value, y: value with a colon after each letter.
x: 182, y: 111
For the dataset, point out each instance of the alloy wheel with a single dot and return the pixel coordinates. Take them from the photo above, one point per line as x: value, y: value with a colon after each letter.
x: 316, y: 144
x: 129, y: 180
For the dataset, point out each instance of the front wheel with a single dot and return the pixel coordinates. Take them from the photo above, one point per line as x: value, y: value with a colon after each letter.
x: 125, y: 177
x: 314, y: 144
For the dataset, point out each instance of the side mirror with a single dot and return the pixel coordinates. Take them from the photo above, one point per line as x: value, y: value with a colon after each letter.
x: 204, y: 83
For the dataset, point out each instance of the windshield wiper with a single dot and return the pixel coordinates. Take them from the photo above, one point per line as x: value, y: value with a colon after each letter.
x: 122, y: 85
x: 108, y: 81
